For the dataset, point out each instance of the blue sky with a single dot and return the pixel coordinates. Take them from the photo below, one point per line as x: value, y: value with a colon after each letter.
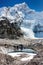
x: 34, y: 4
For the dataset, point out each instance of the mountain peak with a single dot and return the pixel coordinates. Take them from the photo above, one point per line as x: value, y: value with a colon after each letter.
x: 22, y: 5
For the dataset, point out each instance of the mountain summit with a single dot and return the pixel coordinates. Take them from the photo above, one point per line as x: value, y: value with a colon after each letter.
x: 25, y: 17
x: 19, y: 11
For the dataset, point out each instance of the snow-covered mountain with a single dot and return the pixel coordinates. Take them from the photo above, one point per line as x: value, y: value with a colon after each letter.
x: 22, y: 13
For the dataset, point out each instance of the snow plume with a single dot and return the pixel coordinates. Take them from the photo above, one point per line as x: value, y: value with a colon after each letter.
x: 22, y: 14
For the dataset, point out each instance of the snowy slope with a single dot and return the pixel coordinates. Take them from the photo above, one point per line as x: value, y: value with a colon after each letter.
x: 22, y: 13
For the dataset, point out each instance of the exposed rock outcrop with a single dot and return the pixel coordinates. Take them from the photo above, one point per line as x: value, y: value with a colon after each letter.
x: 9, y: 30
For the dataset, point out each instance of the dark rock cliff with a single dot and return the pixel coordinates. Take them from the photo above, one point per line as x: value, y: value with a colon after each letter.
x: 9, y: 30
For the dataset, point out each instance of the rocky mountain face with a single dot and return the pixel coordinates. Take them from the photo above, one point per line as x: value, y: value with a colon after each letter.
x: 9, y: 30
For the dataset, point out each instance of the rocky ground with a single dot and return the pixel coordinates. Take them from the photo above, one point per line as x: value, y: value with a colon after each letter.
x: 5, y: 59
x: 8, y: 45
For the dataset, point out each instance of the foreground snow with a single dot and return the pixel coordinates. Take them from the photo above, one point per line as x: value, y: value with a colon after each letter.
x: 28, y: 56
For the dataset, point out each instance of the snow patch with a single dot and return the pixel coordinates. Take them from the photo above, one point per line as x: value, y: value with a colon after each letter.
x: 30, y: 56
